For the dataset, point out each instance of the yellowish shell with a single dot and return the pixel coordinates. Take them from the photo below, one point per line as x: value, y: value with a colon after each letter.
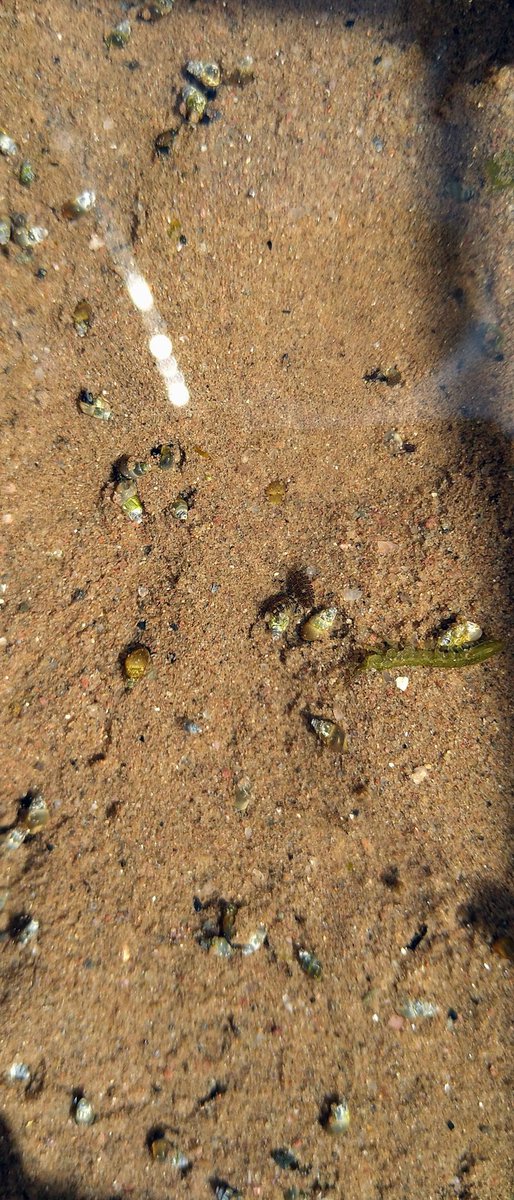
x: 136, y: 664
x: 329, y: 733
x: 276, y: 491
x: 318, y: 625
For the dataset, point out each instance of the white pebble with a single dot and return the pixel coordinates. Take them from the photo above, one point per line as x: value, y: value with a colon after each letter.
x: 402, y: 683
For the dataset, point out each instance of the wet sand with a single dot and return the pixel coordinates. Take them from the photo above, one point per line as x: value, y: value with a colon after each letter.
x: 338, y: 220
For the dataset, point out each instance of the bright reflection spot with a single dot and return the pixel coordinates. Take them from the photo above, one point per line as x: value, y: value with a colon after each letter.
x: 178, y: 391
x: 160, y: 346
x: 139, y: 292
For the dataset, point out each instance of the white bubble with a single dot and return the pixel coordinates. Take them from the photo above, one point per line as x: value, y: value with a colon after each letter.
x: 160, y: 346
x: 139, y: 292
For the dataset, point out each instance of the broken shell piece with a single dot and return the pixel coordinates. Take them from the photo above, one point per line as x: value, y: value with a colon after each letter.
x: 416, y: 1010
x: 37, y: 234
x: 132, y: 508
x: 83, y: 203
x: 179, y: 1161
x: 207, y: 73
x: 5, y: 230
x: 459, y: 635
x: 8, y: 147
x: 242, y: 794
x: 329, y: 733
x: 318, y: 626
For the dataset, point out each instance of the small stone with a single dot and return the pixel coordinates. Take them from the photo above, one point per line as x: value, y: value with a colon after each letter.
x: 8, y: 147
x: 419, y: 775
x: 419, y: 1009
x: 242, y: 794
x: 192, y: 727
x: 19, y: 1073
x: 396, y: 1022
x: 351, y: 595
x: 402, y: 683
